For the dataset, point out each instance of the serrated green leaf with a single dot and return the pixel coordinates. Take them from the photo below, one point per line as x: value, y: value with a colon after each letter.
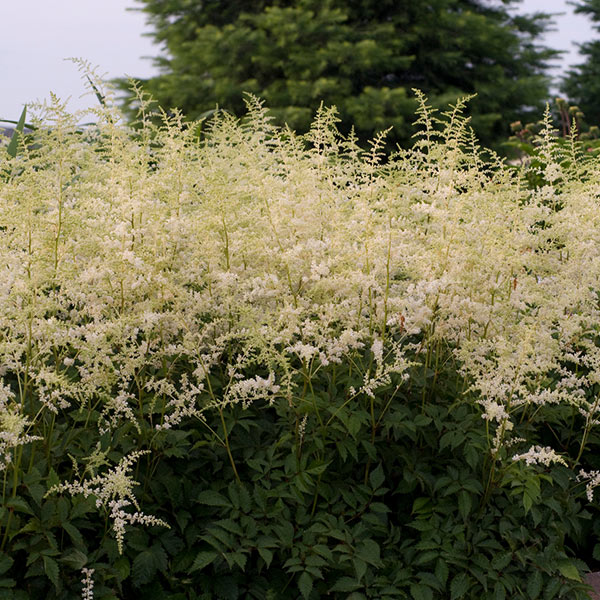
x: 202, y: 560
x: 419, y: 591
x: 360, y: 567
x: 19, y: 505
x: 285, y: 531
x: 53, y: 478
x: 459, y: 586
x: 6, y: 563
x: 37, y: 491
x: 305, y: 585
x: 159, y: 556
x: 143, y: 568
x: 534, y: 585
x: 74, y: 534
x: 499, y: 591
x: 266, y: 555
x: 422, y: 420
x: 238, y: 558
x: 501, y: 560
x: 51, y: 570
x: 229, y: 525
x: 421, y: 505
x: 368, y: 550
x: 76, y: 559
x: 123, y: 567
x: 345, y: 584
x: 441, y: 571
x: 377, y: 477
x: 464, y: 503
x: 212, y: 498
x: 569, y: 570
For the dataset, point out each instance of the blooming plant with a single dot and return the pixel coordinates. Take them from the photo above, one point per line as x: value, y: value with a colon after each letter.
x: 237, y: 362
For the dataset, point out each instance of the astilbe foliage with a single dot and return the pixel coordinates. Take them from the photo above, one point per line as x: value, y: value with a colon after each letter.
x: 250, y: 364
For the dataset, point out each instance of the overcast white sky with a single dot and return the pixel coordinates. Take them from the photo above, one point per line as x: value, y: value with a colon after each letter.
x: 36, y: 35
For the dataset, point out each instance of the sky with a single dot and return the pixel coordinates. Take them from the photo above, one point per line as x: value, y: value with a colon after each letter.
x: 37, y: 35
x: 569, y: 29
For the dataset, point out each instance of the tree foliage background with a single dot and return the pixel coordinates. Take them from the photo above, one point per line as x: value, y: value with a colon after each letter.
x: 363, y: 56
x: 582, y: 83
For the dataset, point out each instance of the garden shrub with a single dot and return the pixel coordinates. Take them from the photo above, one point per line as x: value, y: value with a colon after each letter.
x: 241, y: 363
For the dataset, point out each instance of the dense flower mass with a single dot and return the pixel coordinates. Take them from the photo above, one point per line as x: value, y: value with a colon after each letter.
x: 138, y: 262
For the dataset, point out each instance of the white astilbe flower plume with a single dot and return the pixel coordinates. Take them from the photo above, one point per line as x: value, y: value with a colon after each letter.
x: 538, y: 455
x: 87, y: 592
x: 113, y: 490
x: 593, y: 481
x: 13, y: 426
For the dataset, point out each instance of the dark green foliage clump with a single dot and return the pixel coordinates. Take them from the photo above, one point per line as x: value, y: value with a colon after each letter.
x: 363, y: 57
x: 388, y: 497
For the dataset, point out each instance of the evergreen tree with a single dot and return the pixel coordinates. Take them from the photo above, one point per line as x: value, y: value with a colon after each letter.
x: 363, y: 56
x: 582, y: 83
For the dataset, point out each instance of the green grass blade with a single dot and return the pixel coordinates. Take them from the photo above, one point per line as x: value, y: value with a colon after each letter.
x: 13, y: 146
x: 27, y: 125
x: 100, y: 97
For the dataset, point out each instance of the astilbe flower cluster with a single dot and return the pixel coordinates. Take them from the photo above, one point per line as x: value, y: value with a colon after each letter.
x: 113, y: 491
x: 131, y: 256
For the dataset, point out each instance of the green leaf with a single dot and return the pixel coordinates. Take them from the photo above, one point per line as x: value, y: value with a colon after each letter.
x: 159, y: 556
x: 368, y: 550
x: 345, y: 584
x: 569, y: 570
x: 74, y: 534
x: 377, y: 477
x: 305, y: 585
x: 285, y: 531
x: 464, y: 503
x: 499, y: 591
x: 421, y: 505
x: 74, y: 558
x: 212, y: 498
x: 51, y: 570
x: 6, y: 563
x: 53, y: 478
x: 13, y: 146
x: 100, y: 97
x: 501, y: 560
x: 360, y: 567
x: 37, y: 491
x: 19, y: 505
x: 422, y: 420
x: 419, y: 591
x: 202, y: 560
x: 239, y: 558
x: 534, y: 585
x: 459, y: 586
x: 143, y: 568
x: 123, y: 567
x: 441, y: 571
x: 266, y: 555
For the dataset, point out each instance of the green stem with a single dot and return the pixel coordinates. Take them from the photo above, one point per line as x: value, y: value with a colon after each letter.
x: 226, y: 440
